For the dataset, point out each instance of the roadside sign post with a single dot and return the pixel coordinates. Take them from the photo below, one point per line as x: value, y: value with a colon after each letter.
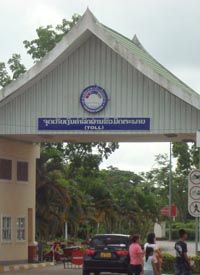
x: 170, y: 192
x: 194, y: 200
x: 198, y: 146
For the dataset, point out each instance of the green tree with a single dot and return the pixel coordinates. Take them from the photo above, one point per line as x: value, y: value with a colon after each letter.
x: 135, y: 204
x: 84, y: 158
x: 76, y: 168
x: 5, y: 79
x: 15, y: 65
x: 195, y: 154
x: 158, y: 179
x: 16, y: 68
x: 187, y: 158
x: 52, y: 196
x: 181, y: 151
x: 80, y: 210
x: 48, y: 37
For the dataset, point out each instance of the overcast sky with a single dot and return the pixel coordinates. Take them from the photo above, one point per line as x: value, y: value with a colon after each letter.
x: 168, y: 29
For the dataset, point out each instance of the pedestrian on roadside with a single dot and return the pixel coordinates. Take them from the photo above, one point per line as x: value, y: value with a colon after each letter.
x: 136, y: 256
x: 151, y: 242
x: 182, y: 263
x: 150, y: 266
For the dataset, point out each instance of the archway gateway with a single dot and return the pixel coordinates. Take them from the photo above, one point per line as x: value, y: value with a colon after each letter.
x: 95, y: 85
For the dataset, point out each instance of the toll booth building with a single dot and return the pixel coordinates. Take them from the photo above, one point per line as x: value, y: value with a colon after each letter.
x: 95, y: 85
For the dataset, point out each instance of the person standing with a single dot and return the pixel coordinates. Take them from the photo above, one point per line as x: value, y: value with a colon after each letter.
x: 182, y: 264
x: 150, y: 266
x: 136, y: 256
x: 151, y: 242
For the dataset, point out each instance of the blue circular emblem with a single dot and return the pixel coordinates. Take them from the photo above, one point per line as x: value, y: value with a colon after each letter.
x: 93, y: 99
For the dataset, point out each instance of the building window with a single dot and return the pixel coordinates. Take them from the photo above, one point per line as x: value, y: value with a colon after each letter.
x: 20, y: 228
x: 5, y: 169
x: 22, y: 171
x: 6, y: 228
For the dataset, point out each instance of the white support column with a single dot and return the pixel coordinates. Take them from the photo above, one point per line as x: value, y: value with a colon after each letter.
x: 66, y: 231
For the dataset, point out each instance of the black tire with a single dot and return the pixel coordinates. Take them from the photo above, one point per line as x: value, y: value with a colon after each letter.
x: 97, y: 273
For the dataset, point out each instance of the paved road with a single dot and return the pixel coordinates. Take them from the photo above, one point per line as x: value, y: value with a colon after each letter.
x: 54, y: 270
x: 58, y: 269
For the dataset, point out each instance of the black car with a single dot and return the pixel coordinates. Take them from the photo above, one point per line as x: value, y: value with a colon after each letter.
x: 107, y: 253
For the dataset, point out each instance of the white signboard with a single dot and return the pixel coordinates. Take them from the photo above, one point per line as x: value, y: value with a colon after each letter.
x: 194, y: 193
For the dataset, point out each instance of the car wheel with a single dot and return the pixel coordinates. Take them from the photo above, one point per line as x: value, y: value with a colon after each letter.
x: 85, y: 272
x: 97, y: 273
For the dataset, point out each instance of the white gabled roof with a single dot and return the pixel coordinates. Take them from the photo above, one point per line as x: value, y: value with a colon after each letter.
x: 130, y: 50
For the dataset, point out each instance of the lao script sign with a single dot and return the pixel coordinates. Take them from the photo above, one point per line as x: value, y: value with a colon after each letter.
x: 94, y: 124
x: 194, y: 193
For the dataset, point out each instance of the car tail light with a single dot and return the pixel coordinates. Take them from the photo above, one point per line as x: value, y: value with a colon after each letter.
x: 122, y: 253
x: 89, y: 252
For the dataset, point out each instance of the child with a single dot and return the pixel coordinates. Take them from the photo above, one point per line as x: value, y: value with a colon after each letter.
x: 151, y: 242
x: 150, y: 266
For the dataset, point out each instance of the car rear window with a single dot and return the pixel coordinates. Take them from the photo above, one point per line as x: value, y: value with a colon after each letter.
x: 109, y: 241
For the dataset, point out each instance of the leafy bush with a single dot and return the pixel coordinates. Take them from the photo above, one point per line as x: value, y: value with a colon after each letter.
x: 180, y: 225
x: 196, y: 267
x: 168, y: 264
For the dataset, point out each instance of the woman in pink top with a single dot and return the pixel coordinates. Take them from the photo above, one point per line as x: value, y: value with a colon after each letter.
x: 136, y: 256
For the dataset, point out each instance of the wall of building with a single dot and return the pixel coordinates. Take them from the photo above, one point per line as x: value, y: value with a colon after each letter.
x: 16, y: 198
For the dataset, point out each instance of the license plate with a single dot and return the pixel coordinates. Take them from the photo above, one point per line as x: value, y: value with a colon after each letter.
x: 105, y: 255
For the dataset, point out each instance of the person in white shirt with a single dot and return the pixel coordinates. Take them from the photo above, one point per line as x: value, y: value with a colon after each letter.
x: 151, y: 242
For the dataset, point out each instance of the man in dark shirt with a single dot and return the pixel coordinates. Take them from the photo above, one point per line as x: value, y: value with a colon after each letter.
x: 182, y: 265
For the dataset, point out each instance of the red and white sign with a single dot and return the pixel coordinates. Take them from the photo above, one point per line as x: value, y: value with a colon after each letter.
x: 77, y: 257
x: 165, y: 211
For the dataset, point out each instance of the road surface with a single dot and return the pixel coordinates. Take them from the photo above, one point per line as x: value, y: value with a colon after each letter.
x: 54, y: 270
